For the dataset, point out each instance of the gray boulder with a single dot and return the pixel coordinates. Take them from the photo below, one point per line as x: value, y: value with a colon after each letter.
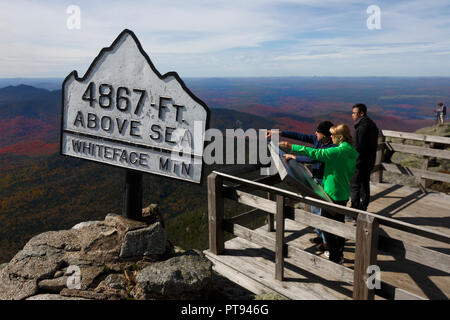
x: 114, y: 287
x: 90, y: 247
x: 53, y: 285
x: 37, y: 261
x: 81, y: 225
x: 148, y: 241
x: 116, y: 281
x: 182, y: 277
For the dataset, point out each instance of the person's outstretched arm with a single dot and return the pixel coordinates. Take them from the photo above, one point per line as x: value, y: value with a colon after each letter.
x: 305, y: 159
x: 323, y: 155
x: 308, y: 138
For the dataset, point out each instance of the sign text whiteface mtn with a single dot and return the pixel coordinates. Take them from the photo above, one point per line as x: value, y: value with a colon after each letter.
x: 123, y: 112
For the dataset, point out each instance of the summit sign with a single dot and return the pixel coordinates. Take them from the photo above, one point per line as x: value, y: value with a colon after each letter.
x: 124, y: 113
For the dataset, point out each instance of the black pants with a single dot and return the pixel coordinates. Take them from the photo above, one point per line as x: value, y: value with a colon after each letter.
x: 335, y: 243
x: 360, y: 189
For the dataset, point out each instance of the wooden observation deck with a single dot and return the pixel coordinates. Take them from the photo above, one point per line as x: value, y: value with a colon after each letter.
x: 405, y: 234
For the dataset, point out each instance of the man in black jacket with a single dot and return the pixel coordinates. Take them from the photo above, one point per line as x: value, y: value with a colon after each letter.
x: 366, y: 141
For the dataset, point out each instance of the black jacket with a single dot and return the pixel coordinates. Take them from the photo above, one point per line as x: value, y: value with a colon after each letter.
x: 366, y: 141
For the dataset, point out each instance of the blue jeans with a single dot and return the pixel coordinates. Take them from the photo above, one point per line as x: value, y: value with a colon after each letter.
x: 318, y: 212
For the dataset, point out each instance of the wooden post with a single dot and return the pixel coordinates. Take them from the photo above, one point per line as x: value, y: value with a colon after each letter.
x: 377, y: 176
x: 279, y: 239
x: 132, y: 197
x: 365, y: 255
x: 424, y: 183
x: 270, y: 217
x: 308, y: 206
x: 215, y: 213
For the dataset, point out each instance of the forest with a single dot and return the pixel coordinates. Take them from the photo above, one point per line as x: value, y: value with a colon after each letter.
x: 56, y: 192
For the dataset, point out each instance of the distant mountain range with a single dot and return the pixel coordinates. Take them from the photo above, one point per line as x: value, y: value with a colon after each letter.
x: 43, y: 83
x: 30, y: 116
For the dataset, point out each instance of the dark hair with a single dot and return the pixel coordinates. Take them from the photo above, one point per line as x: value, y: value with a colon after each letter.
x: 361, y: 108
x: 440, y: 104
x: 324, y: 128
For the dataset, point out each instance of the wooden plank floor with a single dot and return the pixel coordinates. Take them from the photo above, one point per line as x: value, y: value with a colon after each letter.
x: 432, y: 211
x: 253, y: 267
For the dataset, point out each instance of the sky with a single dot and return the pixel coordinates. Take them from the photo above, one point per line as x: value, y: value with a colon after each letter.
x: 232, y: 38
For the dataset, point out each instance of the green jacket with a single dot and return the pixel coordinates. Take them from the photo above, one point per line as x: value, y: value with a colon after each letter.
x: 340, y: 164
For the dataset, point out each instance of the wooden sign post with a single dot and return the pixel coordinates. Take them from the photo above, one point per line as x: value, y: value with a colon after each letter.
x: 132, y: 196
x: 124, y: 113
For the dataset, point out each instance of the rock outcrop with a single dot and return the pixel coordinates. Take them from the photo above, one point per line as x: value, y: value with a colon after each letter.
x: 116, y: 258
x: 187, y: 275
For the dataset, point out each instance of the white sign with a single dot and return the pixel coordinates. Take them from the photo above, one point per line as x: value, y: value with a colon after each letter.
x: 123, y: 112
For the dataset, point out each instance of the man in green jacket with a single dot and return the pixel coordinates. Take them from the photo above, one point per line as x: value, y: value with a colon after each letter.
x: 340, y: 164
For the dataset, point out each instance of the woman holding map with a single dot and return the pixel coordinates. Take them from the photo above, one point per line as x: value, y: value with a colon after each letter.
x: 339, y: 169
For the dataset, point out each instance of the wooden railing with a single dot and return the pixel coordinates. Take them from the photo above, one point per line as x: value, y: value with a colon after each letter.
x: 278, y: 205
x: 386, y: 149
